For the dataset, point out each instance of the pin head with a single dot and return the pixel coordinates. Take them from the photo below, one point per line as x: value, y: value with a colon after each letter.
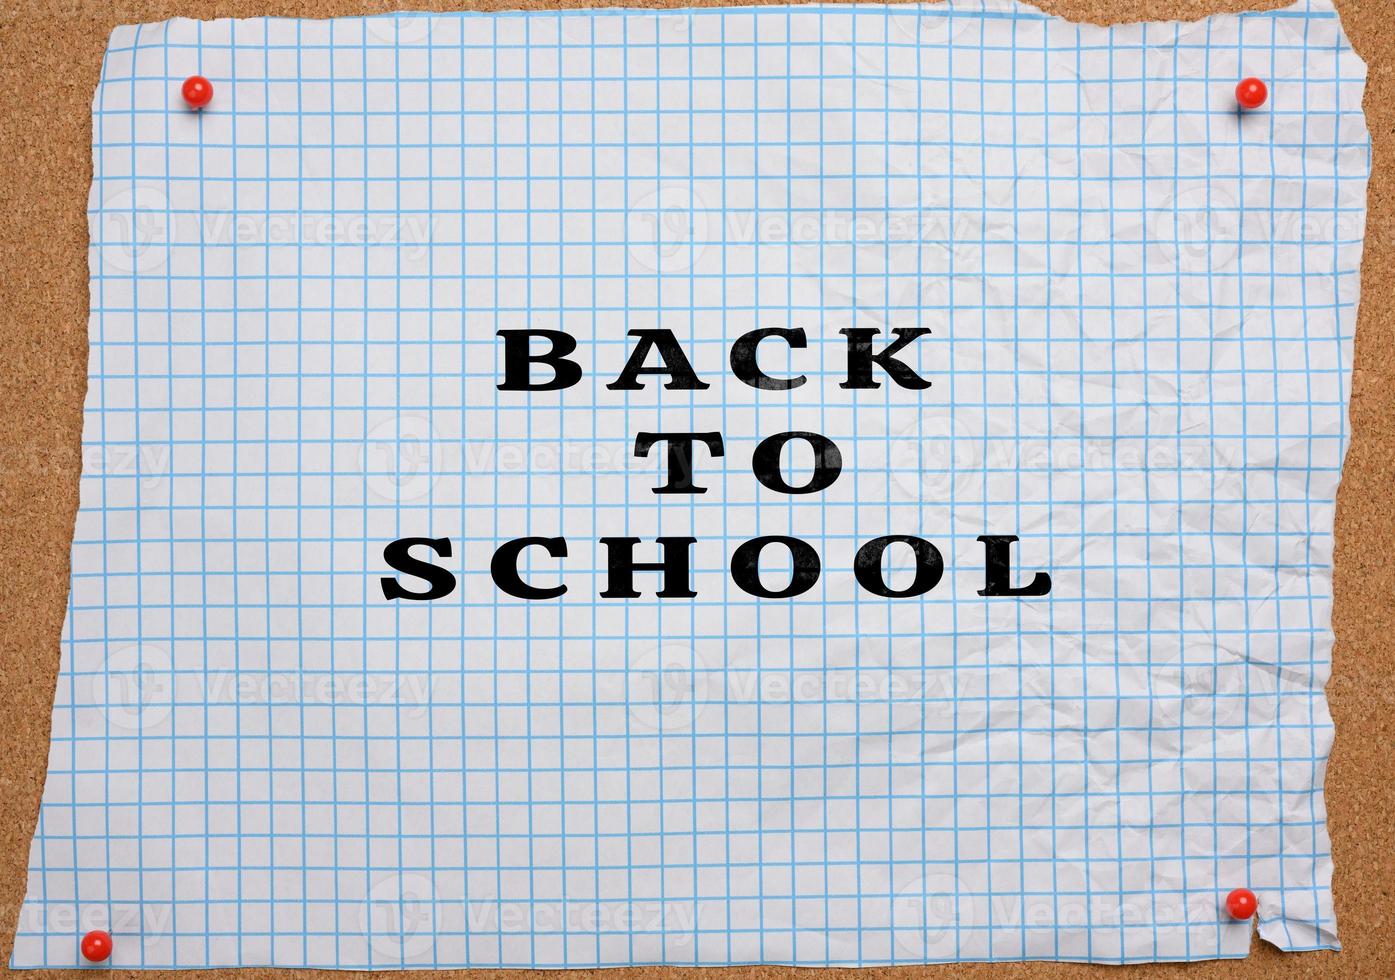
x: 1251, y: 93
x: 96, y: 946
x: 197, y: 91
x: 1241, y: 903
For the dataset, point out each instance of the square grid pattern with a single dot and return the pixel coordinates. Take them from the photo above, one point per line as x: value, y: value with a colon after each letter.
x: 1142, y: 307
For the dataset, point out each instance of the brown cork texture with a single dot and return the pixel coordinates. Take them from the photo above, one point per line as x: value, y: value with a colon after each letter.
x: 50, y: 53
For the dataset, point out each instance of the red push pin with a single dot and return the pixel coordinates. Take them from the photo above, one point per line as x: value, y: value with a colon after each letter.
x: 1241, y: 903
x: 96, y: 946
x: 198, y: 91
x: 1251, y: 93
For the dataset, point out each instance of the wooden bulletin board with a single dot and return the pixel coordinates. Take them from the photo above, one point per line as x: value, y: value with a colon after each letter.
x: 50, y: 54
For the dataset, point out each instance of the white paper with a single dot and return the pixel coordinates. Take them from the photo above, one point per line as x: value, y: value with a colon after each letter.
x: 1142, y: 306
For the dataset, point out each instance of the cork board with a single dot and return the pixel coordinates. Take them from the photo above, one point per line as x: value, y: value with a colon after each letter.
x: 54, y: 50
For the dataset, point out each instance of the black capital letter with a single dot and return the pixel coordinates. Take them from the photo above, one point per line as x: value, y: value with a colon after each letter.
x: 861, y: 358
x: 765, y: 462
x: 997, y: 569
x: 518, y: 358
x: 929, y: 566
x: 675, y: 363
x: 743, y: 358
x: 745, y: 567
x: 504, y: 567
x: 622, y: 566
x: 680, y: 456
x: 398, y: 555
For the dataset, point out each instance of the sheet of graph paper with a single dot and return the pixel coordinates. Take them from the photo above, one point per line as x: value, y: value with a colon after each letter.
x: 997, y: 616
